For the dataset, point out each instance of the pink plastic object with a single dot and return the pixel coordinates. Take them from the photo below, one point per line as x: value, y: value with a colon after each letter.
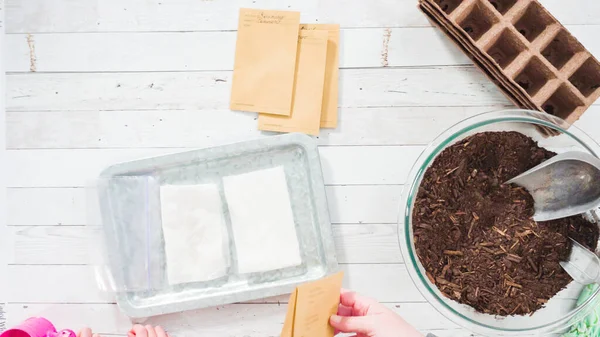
x: 36, y: 327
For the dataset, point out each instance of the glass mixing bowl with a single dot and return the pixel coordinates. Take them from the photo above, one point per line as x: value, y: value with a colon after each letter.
x: 560, y: 312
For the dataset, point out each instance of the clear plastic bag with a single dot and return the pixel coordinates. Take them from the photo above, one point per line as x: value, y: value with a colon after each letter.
x: 127, y: 208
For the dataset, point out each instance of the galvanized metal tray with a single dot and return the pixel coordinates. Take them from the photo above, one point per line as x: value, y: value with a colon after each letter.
x: 130, y: 213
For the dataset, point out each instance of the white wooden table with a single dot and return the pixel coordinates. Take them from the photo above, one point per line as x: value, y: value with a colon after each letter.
x: 93, y: 82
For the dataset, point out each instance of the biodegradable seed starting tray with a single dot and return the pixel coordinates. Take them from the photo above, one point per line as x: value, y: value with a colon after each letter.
x: 524, y: 50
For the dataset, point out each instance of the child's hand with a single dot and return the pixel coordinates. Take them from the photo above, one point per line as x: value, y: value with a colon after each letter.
x: 86, y: 332
x: 147, y: 331
x: 368, y: 318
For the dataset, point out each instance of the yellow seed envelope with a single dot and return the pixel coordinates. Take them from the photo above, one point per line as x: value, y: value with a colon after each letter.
x: 265, y: 60
x: 329, y: 109
x: 308, y: 88
x: 310, y: 307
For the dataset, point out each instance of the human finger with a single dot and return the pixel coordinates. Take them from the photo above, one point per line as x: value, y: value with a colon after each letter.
x: 140, y: 331
x: 160, y: 332
x: 85, y: 332
x: 348, y: 298
x: 150, y: 330
x: 352, y: 324
x: 359, y: 303
x: 344, y: 310
x: 95, y: 335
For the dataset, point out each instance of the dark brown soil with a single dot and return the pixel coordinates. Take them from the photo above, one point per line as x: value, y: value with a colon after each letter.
x: 476, y: 237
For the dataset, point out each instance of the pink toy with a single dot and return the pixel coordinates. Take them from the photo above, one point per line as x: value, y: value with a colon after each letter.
x: 36, y: 327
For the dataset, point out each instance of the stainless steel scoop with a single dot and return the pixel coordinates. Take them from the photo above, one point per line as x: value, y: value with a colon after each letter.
x: 565, y: 185
x: 582, y: 265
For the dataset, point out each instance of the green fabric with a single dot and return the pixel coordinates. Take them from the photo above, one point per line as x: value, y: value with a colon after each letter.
x: 590, y: 325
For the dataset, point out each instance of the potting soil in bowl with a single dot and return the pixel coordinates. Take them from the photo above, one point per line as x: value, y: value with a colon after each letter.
x: 476, y: 237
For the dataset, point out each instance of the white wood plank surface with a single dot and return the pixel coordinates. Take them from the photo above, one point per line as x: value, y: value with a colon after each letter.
x: 204, y: 128
x: 32, y: 16
x: 380, y: 87
x: 132, y: 15
x: 53, y: 206
x: 3, y: 203
x: 193, y: 51
x: 92, y: 83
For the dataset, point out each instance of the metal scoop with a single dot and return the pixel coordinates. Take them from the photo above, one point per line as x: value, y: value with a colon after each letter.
x: 582, y: 265
x: 565, y: 185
